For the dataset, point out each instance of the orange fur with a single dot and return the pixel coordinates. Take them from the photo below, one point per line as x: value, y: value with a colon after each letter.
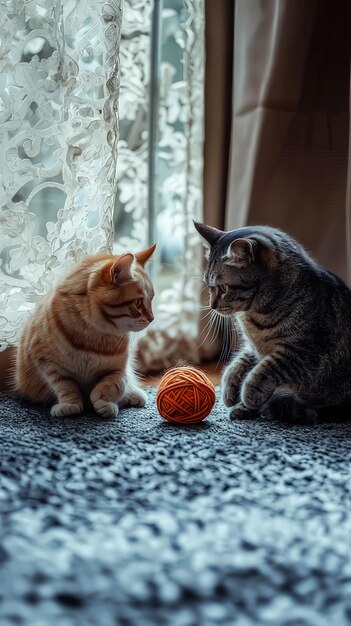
x: 76, y: 344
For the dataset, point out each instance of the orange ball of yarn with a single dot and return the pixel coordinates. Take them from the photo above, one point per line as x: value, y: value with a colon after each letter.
x: 185, y: 395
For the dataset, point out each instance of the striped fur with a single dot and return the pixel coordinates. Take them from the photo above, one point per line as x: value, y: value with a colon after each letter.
x: 75, y: 348
x: 294, y: 317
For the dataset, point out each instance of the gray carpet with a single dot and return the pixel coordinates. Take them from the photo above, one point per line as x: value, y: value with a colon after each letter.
x: 136, y: 522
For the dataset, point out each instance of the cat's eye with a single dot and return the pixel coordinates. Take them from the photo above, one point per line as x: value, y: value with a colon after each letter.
x: 138, y: 303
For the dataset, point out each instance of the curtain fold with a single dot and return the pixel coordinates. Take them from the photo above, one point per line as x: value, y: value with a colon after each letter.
x: 219, y: 34
x: 271, y: 43
x: 290, y: 122
x: 348, y: 207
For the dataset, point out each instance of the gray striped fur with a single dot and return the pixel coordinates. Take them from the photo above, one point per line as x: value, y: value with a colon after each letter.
x: 295, y: 318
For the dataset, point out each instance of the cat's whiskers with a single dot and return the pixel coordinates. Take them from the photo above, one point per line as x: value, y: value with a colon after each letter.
x: 209, y: 322
x: 198, y: 267
x: 218, y: 323
x: 209, y: 326
x: 228, y: 340
x: 224, y: 341
x: 204, y: 315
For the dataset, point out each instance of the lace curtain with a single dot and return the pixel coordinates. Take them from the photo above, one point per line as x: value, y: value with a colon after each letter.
x: 175, y: 334
x: 60, y: 198
x: 59, y: 82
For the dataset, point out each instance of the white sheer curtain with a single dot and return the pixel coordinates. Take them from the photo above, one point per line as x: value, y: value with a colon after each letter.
x: 59, y: 82
x: 175, y: 333
x: 60, y: 195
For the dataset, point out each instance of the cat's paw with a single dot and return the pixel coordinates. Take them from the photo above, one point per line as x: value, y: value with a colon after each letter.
x: 230, y: 394
x: 241, y: 412
x: 252, y: 396
x: 234, y: 376
x: 134, y: 397
x: 65, y: 408
x: 105, y: 408
x: 285, y: 408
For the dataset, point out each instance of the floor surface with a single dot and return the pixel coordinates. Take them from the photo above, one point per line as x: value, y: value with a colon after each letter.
x: 137, y: 522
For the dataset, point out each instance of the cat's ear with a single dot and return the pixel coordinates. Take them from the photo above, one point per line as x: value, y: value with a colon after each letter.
x: 143, y: 256
x: 121, y: 270
x: 209, y: 233
x: 241, y: 253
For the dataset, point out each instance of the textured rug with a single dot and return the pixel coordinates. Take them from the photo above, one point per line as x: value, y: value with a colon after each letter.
x: 137, y: 522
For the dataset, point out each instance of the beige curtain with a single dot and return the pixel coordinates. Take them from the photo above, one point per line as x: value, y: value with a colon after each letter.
x: 289, y: 127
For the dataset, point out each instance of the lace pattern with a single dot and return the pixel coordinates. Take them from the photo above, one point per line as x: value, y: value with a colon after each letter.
x: 174, y: 335
x: 59, y: 86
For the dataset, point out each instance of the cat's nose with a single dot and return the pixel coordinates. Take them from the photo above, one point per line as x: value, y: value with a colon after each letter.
x: 214, y: 303
x: 149, y: 316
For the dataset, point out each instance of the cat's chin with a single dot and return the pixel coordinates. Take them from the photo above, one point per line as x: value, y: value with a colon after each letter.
x: 132, y: 328
x: 139, y: 327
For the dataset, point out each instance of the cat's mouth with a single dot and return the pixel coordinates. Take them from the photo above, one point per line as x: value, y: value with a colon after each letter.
x: 224, y: 312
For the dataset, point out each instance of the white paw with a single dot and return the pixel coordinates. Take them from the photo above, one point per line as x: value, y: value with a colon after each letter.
x: 64, y: 408
x: 105, y: 409
x: 134, y: 397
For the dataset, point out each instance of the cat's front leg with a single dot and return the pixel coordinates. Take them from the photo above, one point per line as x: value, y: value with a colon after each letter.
x: 260, y: 384
x: 133, y: 396
x: 107, y: 394
x: 67, y: 392
x: 234, y: 375
x: 69, y: 399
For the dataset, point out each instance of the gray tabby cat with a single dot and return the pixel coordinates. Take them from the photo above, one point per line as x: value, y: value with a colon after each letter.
x: 295, y: 318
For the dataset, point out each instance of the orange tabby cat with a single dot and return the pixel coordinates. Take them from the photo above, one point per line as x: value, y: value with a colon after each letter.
x: 75, y: 346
